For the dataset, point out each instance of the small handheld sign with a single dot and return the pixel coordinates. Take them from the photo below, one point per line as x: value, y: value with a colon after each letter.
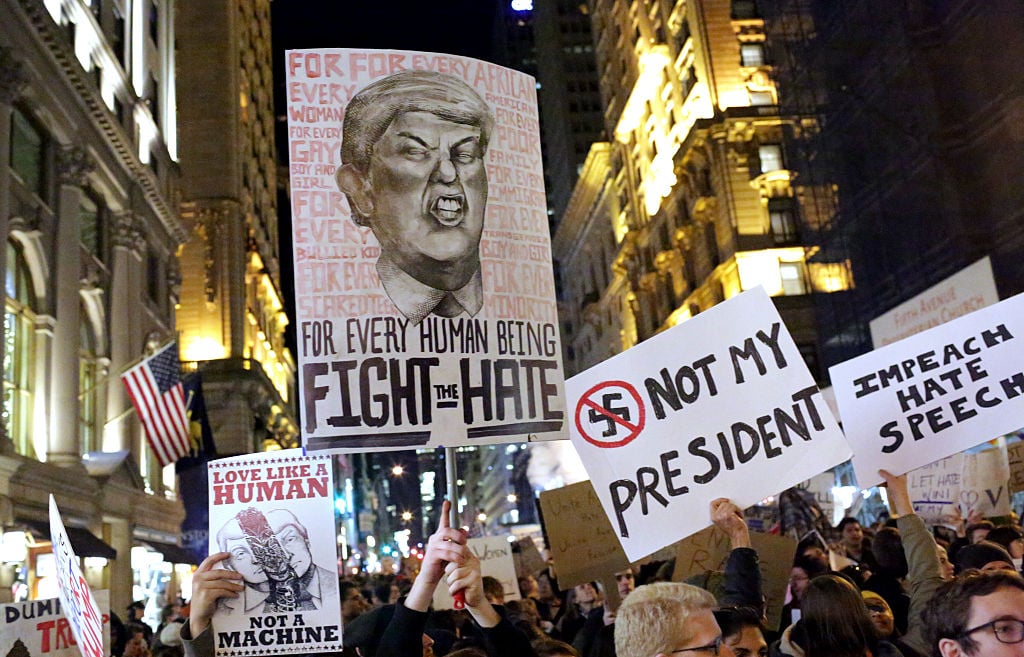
x: 80, y: 608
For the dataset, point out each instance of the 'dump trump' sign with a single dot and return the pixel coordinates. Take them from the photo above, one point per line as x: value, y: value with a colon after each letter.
x: 423, y: 282
x: 722, y: 405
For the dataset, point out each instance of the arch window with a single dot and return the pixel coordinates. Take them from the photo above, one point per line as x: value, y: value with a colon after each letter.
x: 19, y: 344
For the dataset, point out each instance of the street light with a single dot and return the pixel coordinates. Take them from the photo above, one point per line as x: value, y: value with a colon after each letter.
x: 512, y: 498
x: 406, y: 516
x: 397, y: 470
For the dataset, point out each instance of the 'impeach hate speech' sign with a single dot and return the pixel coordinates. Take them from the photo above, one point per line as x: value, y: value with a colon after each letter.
x: 721, y: 405
x: 935, y: 393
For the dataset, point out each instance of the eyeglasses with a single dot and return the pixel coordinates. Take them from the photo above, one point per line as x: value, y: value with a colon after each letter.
x: 1007, y: 630
x: 713, y: 648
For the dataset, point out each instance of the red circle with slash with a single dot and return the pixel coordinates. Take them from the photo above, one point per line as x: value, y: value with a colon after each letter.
x: 586, y: 403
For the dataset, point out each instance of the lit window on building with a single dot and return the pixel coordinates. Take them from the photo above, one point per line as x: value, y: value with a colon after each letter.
x: 771, y: 157
x: 793, y: 280
x: 752, y: 54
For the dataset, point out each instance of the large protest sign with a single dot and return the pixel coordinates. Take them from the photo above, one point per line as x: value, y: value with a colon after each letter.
x: 495, y: 555
x: 707, y: 550
x: 76, y: 598
x: 972, y: 288
x: 721, y: 405
x: 582, y: 543
x: 935, y: 393
x: 39, y: 627
x: 424, y: 291
x: 274, y: 513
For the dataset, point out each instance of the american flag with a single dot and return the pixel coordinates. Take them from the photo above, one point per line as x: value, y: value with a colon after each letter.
x: 155, y: 388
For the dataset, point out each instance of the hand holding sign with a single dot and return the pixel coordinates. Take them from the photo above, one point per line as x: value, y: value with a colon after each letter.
x: 729, y: 518
x: 210, y: 584
x: 445, y: 546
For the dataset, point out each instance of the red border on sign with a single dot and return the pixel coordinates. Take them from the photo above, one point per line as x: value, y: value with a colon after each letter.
x: 634, y: 429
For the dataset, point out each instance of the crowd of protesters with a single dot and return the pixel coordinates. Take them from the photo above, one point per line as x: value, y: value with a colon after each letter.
x: 901, y: 589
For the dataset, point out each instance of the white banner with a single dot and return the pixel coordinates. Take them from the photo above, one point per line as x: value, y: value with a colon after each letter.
x: 76, y: 599
x: 41, y: 628
x: 972, y: 288
x: 425, y: 300
x: 274, y: 513
x: 721, y: 405
x: 935, y: 393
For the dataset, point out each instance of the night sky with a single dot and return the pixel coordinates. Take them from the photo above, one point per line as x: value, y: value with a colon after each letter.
x: 460, y: 27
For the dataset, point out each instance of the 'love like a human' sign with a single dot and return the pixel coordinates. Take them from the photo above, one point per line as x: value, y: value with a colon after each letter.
x: 721, y: 405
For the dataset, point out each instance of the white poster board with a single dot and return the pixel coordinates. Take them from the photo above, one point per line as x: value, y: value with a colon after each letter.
x: 721, y: 405
x: 970, y: 289
x: 955, y: 487
x: 76, y: 598
x: 425, y: 300
x: 274, y: 512
x: 496, y: 560
x: 39, y: 627
x: 935, y: 393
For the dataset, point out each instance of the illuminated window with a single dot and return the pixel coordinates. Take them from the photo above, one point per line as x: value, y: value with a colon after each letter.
x: 87, y: 387
x: 761, y: 98
x: 771, y: 157
x: 793, y: 280
x: 752, y: 54
x: 19, y: 343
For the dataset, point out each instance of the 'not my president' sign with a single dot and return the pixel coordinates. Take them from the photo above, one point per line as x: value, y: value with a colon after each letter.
x: 935, y: 393
x: 720, y: 406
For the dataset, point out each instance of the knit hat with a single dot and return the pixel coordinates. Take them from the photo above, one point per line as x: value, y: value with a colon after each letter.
x: 981, y: 554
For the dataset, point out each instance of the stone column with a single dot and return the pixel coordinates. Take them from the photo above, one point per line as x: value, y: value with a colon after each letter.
x: 129, y: 245
x: 13, y: 80
x: 74, y: 167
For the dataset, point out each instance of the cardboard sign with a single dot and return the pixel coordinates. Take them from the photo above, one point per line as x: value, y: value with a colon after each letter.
x: 39, y: 627
x: 935, y: 393
x: 76, y: 598
x: 972, y: 288
x: 708, y: 549
x: 721, y: 405
x: 984, y: 483
x: 528, y: 558
x: 425, y: 300
x: 495, y: 555
x: 1015, y: 455
x: 274, y: 512
x: 583, y: 544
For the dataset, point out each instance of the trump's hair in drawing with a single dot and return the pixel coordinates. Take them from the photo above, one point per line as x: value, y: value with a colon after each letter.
x: 372, y: 110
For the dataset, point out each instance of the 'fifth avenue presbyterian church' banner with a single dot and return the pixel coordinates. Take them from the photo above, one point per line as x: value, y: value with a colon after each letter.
x: 423, y: 281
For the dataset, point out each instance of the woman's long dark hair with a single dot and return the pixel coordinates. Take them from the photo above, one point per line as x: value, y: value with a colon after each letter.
x: 835, y: 620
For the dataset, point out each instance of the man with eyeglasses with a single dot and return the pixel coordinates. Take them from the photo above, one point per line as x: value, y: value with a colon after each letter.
x: 669, y: 618
x: 977, y: 614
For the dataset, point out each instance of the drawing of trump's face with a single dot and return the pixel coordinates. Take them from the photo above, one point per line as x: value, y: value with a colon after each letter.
x: 413, y: 171
x: 429, y: 190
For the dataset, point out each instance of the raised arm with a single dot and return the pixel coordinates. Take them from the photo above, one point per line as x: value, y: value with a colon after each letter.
x: 502, y: 638
x: 925, y: 573
x: 742, y: 571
